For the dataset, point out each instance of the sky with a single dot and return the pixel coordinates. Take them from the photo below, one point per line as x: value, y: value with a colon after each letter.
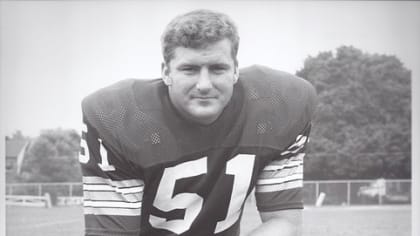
x: 54, y: 53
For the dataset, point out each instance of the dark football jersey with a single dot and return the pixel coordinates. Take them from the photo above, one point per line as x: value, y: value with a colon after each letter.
x: 148, y: 171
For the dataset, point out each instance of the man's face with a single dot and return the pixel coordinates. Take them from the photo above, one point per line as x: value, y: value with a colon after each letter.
x: 200, y: 81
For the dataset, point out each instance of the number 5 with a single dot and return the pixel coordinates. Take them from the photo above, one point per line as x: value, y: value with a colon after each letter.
x: 191, y: 202
x: 241, y: 166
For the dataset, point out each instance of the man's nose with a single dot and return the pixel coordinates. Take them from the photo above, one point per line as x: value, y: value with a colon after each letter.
x: 204, y: 83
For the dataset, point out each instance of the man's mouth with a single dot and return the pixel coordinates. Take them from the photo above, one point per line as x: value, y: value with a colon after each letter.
x: 203, y: 97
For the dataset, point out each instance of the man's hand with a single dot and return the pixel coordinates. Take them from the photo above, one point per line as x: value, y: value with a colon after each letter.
x: 279, y: 223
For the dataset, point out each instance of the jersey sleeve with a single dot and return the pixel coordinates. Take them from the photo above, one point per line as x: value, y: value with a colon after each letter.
x: 280, y: 184
x: 112, y: 189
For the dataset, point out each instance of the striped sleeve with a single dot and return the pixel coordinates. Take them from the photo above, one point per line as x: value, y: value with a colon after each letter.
x: 112, y: 191
x: 280, y: 183
x: 104, y: 196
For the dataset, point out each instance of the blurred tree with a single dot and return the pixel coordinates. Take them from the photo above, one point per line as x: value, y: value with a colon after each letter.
x: 53, y: 157
x: 14, y: 144
x: 362, y: 127
x: 17, y: 135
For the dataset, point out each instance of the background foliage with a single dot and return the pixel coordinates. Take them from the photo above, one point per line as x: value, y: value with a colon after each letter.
x: 362, y: 126
x: 53, y: 157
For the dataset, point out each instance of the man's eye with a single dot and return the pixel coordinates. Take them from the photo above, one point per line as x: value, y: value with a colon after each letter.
x: 188, y: 69
x: 218, y: 70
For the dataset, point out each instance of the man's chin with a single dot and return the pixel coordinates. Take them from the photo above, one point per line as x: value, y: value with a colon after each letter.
x: 205, y: 115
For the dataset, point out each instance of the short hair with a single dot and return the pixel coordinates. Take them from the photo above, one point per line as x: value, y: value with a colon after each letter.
x: 198, y: 29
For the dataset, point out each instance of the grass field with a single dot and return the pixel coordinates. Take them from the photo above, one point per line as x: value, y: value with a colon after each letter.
x: 325, y: 221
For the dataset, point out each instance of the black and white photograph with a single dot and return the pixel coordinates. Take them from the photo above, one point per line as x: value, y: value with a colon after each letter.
x: 201, y: 118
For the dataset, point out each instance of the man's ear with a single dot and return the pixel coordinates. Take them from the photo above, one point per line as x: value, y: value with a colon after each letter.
x: 165, y: 74
x: 235, y: 75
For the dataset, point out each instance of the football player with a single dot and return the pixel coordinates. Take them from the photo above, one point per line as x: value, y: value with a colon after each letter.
x: 180, y: 154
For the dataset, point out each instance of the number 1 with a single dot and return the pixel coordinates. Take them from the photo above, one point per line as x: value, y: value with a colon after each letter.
x: 241, y: 168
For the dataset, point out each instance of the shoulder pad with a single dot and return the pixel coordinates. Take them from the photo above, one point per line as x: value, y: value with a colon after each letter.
x: 279, y: 105
x: 127, y: 116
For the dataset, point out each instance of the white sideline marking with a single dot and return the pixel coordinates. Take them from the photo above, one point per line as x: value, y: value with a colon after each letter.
x: 358, y: 207
x: 40, y: 225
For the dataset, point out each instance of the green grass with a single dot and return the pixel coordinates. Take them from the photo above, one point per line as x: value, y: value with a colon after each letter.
x: 359, y: 221
x: 34, y: 221
x: 325, y: 221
